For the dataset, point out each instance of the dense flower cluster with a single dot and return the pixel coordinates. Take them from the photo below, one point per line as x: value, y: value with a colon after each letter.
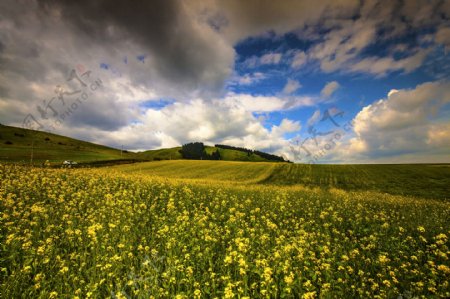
x: 97, y: 233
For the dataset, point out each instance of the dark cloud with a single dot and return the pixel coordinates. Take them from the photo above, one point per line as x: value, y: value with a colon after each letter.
x: 99, y: 114
x: 4, y: 91
x: 181, y: 52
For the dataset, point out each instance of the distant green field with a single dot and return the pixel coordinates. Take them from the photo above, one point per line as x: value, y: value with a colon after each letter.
x: 422, y: 180
x: 428, y: 181
x: 240, y: 172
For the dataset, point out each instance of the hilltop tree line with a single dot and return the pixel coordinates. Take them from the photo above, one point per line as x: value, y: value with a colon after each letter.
x: 264, y: 155
x: 196, y: 151
x: 269, y: 156
x: 241, y: 149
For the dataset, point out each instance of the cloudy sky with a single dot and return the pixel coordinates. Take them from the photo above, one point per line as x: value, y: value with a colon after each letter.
x: 339, y: 81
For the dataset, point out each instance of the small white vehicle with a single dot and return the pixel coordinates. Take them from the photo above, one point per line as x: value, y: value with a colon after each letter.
x: 69, y: 163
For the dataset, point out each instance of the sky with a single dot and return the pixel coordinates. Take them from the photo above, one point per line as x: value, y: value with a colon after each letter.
x: 332, y: 81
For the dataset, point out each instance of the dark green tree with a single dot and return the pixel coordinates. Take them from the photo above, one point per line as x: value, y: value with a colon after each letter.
x: 215, y: 155
x: 193, y: 150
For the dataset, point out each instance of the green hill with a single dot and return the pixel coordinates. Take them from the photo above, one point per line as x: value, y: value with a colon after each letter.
x: 234, y: 155
x: 225, y: 154
x: 161, y: 154
x: 17, y: 144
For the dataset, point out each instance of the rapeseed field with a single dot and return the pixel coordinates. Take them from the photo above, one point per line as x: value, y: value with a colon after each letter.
x: 84, y: 233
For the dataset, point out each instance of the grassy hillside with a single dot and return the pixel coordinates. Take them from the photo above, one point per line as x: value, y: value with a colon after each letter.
x: 161, y: 154
x: 430, y: 181
x: 174, y: 154
x: 16, y: 145
x: 234, y: 155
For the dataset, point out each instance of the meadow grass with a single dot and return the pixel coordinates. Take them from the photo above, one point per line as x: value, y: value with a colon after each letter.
x: 420, y: 180
x: 96, y: 233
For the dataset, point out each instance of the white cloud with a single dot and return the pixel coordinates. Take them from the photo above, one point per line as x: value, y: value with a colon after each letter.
x: 403, y: 123
x: 251, y: 62
x: 392, y: 91
x: 289, y: 126
x: 271, y: 58
x: 291, y: 86
x: 314, y: 118
x: 256, y: 103
x: 224, y: 121
x: 299, y: 59
x: 266, y: 59
x: 381, y: 65
x: 439, y: 135
x: 229, y: 120
x: 443, y: 37
x: 249, y: 79
x: 268, y: 103
x: 342, y: 47
x: 329, y: 89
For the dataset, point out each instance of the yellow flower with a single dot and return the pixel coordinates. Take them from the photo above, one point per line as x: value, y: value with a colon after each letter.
x: 228, y: 259
x: 289, y: 279
x: 441, y: 237
x: 38, y: 277
x: 307, y: 284
x: 309, y: 295
x: 267, y: 273
x: 444, y: 269
x: 229, y: 291
x: 325, y: 288
x: 383, y: 259
x: 242, y: 263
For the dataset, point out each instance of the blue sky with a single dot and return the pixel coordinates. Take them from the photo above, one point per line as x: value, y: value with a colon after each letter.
x: 355, y: 89
x: 282, y: 77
